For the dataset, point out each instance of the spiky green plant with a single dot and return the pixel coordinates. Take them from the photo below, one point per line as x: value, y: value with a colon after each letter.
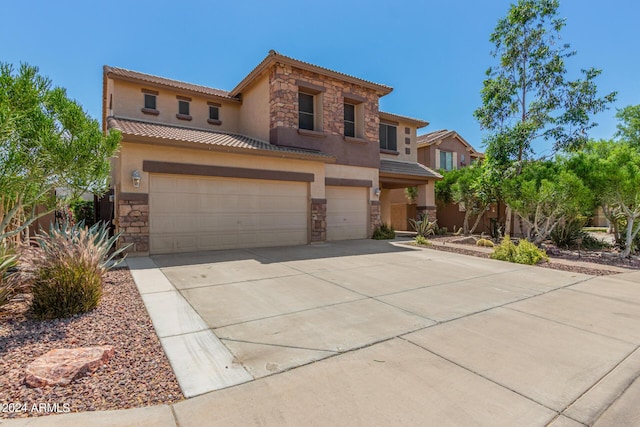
x: 424, y: 227
x: 69, y: 268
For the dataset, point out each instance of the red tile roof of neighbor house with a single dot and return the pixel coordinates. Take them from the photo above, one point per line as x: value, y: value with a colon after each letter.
x: 124, y: 74
x: 397, y: 167
x: 274, y: 57
x: 221, y: 140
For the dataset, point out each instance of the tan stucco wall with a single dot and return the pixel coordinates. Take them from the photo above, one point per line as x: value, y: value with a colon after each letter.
x: 385, y: 206
x: 403, y: 156
x: 354, y: 172
x: 133, y: 154
x: 254, y: 113
x: 128, y: 100
x: 427, y: 194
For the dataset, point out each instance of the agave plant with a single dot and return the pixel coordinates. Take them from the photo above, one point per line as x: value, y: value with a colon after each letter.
x: 423, y: 227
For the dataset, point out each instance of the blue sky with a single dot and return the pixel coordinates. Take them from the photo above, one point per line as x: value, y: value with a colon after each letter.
x: 433, y: 53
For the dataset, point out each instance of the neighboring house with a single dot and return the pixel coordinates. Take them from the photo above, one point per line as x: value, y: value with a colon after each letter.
x: 294, y: 154
x: 447, y: 150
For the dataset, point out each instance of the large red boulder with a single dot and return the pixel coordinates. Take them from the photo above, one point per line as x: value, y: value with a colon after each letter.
x: 61, y: 366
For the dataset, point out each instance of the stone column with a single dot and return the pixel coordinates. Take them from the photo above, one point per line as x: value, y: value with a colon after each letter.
x: 133, y: 222
x: 318, y: 220
x: 375, y: 216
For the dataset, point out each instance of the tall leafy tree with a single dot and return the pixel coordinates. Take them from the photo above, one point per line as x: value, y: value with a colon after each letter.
x: 612, y: 170
x: 629, y: 125
x: 47, y: 142
x: 527, y: 95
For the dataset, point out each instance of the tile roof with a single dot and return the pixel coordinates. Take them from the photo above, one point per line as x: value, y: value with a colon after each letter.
x: 135, y: 75
x: 397, y: 167
x: 431, y: 137
x: 229, y: 141
x: 420, y: 123
x: 274, y: 56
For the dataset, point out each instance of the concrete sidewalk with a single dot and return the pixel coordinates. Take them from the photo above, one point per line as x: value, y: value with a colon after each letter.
x: 370, y: 333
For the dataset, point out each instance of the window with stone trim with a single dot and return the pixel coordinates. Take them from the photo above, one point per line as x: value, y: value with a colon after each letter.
x: 306, y: 111
x: 349, y: 120
x: 388, y: 137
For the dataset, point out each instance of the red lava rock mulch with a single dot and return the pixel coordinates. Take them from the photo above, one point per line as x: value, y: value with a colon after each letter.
x: 139, y: 373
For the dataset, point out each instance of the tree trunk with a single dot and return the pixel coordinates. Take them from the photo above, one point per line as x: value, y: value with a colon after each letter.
x: 465, y: 222
x: 507, y: 222
x: 479, y: 217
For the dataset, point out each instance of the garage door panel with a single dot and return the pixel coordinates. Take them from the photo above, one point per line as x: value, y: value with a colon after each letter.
x: 206, y: 213
x: 347, y: 213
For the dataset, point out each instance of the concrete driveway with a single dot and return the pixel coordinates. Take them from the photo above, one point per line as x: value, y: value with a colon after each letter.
x: 399, y: 336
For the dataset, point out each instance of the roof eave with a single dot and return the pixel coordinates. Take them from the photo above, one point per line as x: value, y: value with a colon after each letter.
x: 274, y: 57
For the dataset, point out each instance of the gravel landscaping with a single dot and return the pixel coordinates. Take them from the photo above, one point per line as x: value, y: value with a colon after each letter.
x: 139, y: 374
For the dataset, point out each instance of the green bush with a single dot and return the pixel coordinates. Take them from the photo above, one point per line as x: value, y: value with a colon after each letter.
x: 524, y: 253
x: 528, y: 253
x: 422, y: 241
x: 83, y: 211
x: 567, y: 233
x: 68, y: 269
x: 384, y: 232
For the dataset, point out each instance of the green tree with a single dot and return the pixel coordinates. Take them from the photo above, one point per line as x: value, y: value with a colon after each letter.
x: 47, y: 142
x: 467, y: 187
x: 612, y: 170
x: 544, y: 194
x: 527, y: 96
x: 629, y: 125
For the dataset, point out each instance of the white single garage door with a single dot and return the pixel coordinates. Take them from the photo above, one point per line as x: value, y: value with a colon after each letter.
x: 189, y: 213
x: 347, y: 213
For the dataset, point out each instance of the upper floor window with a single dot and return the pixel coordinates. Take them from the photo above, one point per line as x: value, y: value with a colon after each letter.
x: 149, y: 101
x: 184, y: 105
x: 183, y: 108
x: 150, y: 105
x: 446, y: 160
x: 306, y: 117
x: 349, y: 120
x: 214, y: 112
x: 388, y: 137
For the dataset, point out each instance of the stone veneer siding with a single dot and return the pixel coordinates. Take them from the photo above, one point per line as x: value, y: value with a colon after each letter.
x: 428, y: 211
x: 133, y: 221
x: 375, y: 214
x: 283, y: 98
x: 318, y: 220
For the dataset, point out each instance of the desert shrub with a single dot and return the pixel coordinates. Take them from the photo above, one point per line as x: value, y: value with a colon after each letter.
x: 485, y: 242
x: 528, y: 253
x: 422, y: 241
x: 384, y: 232
x: 68, y: 269
x: 567, y: 233
x: 443, y: 230
x: 524, y: 253
x: 424, y: 227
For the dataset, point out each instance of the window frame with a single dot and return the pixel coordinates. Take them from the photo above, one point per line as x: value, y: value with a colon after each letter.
x: 448, y: 157
x: 150, y: 97
x: 185, y: 103
x: 352, y: 122
x: 388, y: 126
x: 307, y: 114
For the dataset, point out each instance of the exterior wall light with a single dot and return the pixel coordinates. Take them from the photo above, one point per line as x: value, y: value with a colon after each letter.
x: 377, y: 192
x: 135, y: 177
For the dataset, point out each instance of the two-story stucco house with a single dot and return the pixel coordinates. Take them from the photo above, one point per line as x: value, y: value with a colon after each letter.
x: 294, y: 154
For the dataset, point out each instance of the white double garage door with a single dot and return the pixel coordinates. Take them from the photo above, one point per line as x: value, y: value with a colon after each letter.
x: 189, y: 213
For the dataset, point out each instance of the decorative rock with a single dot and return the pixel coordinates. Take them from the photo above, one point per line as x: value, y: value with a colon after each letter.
x: 61, y: 366
x: 465, y: 241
